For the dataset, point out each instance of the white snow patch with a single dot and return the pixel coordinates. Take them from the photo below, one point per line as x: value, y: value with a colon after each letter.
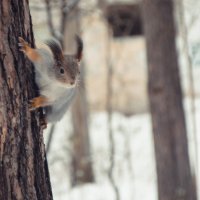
x: 134, y: 170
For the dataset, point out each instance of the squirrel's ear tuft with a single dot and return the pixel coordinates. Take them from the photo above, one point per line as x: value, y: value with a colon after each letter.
x: 56, y: 49
x: 79, y: 48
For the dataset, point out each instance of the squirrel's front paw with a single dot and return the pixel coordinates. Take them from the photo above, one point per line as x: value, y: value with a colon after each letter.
x: 23, y: 45
x: 30, y: 52
x: 37, y: 102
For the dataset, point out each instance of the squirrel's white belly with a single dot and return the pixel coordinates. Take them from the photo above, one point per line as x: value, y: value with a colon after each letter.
x: 53, y: 92
x: 49, y: 88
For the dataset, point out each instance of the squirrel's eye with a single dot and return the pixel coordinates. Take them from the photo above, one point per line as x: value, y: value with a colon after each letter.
x: 62, y: 71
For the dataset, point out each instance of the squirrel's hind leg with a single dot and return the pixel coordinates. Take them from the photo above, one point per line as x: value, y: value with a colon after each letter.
x: 30, y: 52
x: 43, y: 122
x: 38, y: 102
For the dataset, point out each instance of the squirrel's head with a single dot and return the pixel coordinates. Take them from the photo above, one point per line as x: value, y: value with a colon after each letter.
x: 68, y: 73
x: 66, y: 67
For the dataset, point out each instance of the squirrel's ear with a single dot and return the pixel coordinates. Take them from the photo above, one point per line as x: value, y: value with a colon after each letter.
x: 79, y: 52
x: 56, y: 49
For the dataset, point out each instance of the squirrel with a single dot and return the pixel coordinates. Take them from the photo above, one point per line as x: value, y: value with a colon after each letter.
x: 56, y: 75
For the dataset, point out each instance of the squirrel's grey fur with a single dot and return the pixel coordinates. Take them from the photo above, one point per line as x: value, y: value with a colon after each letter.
x: 59, y: 88
x: 56, y: 111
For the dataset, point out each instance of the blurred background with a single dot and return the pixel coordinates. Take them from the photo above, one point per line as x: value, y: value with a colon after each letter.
x: 103, y: 149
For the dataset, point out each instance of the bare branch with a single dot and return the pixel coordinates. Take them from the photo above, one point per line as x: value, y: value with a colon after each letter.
x: 184, y: 34
x: 51, y: 132
x: 49, y: 18
x: 66, y: 8
x: 109, y: 112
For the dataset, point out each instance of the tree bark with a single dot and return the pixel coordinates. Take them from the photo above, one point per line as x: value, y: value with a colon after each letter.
x: 175, y: 181
x: 23, y: 167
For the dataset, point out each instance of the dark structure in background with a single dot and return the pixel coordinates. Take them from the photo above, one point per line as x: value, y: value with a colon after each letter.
x: 23, y: 167
x: 124, y: 19
x: 175, y: 179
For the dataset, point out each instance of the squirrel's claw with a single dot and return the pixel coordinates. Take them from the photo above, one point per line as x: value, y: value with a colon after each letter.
x: 34, y: 104
x: 22, y: 44
x: 43, y: 122
x: 30, y: 52
x: 31, y: 105
x: 37, y: 102
x: 22, y: 41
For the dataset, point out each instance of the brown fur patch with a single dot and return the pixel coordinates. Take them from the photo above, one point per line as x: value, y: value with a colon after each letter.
x: 31, y: 53
x: 38, y: 102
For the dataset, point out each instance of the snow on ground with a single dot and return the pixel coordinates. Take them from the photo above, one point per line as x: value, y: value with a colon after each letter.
x: 134, y: 170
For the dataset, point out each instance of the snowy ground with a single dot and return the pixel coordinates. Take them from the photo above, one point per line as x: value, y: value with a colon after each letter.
x: 134, y: 170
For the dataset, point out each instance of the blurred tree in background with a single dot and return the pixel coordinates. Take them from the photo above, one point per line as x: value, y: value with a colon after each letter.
x: 81, y: 165
x: 175, y: 179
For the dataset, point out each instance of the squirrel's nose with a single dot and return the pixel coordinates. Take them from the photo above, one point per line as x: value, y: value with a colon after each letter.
x: 72, y: 82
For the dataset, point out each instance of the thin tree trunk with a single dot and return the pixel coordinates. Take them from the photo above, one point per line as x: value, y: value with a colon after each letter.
x: 183, y: 32
x: 50, y: 138
x: 81, y: 165
x: 109, y: 109
x: 175, y: 180
x: 23, y: 167
x: 82, y: 171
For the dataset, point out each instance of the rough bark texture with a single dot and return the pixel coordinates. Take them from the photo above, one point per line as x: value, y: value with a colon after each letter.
x: 171, y: 147
x: 23, y: 167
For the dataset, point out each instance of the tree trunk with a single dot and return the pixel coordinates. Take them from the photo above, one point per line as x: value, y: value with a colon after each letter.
x: 23, y: 167
x: 82, y: 171
x: 175, y: 181
x: 81, y: 165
